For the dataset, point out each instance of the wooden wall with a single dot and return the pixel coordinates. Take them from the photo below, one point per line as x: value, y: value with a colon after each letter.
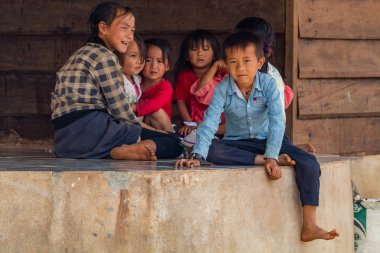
x: 335, y: 66
x: 38, y: 36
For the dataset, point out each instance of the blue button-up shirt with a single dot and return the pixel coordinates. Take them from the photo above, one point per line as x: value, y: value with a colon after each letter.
x: 261, y: 117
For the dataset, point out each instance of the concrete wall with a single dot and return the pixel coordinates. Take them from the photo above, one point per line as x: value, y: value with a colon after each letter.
x: 365, y: 173
x: 237, y: 210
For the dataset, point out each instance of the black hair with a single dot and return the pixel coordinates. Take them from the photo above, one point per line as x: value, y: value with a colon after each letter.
x: 141, y: 45
x: 264, y: 30
x: 163, y: 45
x: 106, y: 12
x: 240, y: 40
x: 196, y: 38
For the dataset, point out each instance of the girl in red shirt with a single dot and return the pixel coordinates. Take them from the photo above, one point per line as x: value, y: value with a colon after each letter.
x: 198, y: 70
x: 156, y: 99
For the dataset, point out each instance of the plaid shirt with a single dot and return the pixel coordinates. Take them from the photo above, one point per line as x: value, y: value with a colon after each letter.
x: 91, y: 79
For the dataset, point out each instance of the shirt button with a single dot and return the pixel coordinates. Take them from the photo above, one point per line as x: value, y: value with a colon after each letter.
x: 248, y: 106
x: 250, y: 128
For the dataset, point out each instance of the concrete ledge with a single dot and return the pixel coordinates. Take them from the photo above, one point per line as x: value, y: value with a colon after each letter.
x: 225, y: 210
x: 365, y: 173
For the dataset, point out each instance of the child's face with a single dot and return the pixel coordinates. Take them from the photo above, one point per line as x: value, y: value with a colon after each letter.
x: 119, y: 34
x: 132, y: 64
x: 155, y: 67
x: 243, y: 64
x: 202, y: 56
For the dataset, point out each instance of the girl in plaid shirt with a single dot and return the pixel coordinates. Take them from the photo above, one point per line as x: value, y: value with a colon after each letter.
x: 91, y: 113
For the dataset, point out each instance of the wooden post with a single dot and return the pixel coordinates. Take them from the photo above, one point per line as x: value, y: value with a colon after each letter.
x: 291, y: 78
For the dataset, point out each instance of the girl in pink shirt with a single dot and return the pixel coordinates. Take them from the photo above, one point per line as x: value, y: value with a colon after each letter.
x: 198, y: 70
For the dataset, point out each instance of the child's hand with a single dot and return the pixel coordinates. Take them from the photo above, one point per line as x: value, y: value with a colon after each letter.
x: 185, y: 130
x: 272, y: 168
x: 218, y: 65
x: 187, y: 163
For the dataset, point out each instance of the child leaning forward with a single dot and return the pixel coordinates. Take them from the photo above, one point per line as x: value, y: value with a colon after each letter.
x: 255, y: 125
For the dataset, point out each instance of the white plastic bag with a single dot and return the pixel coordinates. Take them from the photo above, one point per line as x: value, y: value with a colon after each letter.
x: 366, y: 225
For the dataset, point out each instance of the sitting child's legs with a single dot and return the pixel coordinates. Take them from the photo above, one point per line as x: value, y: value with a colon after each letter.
x: 242, y: 152
x: 160, y: 120
x: 230, y: 152
x: 307, y: 178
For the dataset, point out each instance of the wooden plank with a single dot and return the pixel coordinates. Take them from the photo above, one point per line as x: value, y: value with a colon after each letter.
x: 25, y: 94
x: 340, y: 136
x: 291, y: 59
x: 339, y: 58
x: 320, y: 98
x: 348, y: 19
x: 37, y: 53
x: 62, y: 16
x: 36, y: 127
x: 49, y: 53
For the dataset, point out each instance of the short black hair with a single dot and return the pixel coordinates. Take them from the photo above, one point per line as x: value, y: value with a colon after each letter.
x: 240, y: 40
x: 163, y: 45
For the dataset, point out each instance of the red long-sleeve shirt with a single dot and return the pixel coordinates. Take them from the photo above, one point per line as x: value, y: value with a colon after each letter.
x: 156, y: 97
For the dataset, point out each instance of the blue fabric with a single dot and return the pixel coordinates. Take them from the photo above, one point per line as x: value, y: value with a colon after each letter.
x: 95, y: 133
x: 93, y: 136
x: 260, y: 117
x: 242, y: 152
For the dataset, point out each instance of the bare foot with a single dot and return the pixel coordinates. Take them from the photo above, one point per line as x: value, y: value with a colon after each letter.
x: 310, y: 234
x: 306, y: 147
x: 285, y: 160
x: 134, y: 152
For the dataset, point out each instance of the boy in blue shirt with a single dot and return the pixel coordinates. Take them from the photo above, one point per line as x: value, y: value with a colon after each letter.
x: 255, y: 125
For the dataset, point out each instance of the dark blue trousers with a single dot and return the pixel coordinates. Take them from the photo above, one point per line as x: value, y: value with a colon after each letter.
x: 243, y: 152
x: 96, y: 133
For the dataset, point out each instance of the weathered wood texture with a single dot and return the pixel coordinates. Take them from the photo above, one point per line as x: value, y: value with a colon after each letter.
x: 348, y: 19
x: 48, y: 53
x: 339, y: 58
x: 340, y: 135
x: 336, y: 70
x: 167, y: 15
x: 320, y: 98
x: 37, y: 53
x: 25, y: 94
x: 33, y: 127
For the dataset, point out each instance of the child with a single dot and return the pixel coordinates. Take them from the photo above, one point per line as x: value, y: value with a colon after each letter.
x: 255, y: 124
x: 198, y: 71
x: 91, y: 114
x: 264, y: 30
x: 133, y: 62
x: 155, y: 103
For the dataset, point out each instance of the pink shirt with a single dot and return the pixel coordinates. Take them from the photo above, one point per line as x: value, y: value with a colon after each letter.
x: 203, y: 96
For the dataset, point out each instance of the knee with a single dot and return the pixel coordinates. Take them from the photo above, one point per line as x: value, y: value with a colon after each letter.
x: 311, y: 164
x: 214, y: 154
x: 159, y: 114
